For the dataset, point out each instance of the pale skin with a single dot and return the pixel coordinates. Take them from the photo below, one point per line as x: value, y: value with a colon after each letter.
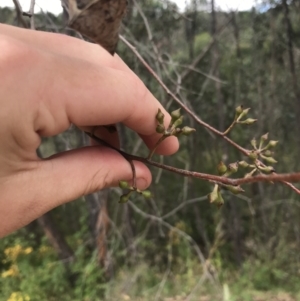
x: 48, y: 82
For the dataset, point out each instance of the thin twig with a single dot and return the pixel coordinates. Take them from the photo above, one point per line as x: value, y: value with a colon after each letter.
x: 160, y: 140
x: 20, y: 13
x: 204, y: 51
x: 31, y: 13
x: 133, y: 173
x: 182, y: 205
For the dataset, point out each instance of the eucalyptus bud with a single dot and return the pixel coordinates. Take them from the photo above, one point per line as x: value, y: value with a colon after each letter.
x: 271, y: 144
x: 235, y: 189
x: 175, y: 115
x: 239, y: 110
x: 244, y: 113
x: 178, y: 122
x: 160, y: 129
x: 160, y: 117
x: 268, y: 153
x: 233, y: 167
x: 267, y: 169
x: 253, y: 143
x: 222, y: 168
x: 270, y: 160
x: 186, y: 130
x: 125, y: 197
x: 265, y: 137
x: 248, y: 121
x: 213, y: 196
x: 220, y: 201
x: 147, y: 194
x: 243, y: 164
x: 123, y: 185
x: 253, y: 155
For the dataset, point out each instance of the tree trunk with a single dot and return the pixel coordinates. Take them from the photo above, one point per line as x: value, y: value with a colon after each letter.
x: 56, y: 237
x: 290, y: 47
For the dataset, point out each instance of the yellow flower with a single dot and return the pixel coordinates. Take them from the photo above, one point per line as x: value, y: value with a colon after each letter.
x: 12, y: 272
x: 12, y: 253
x: 28, y: 250
x: 17, y: 296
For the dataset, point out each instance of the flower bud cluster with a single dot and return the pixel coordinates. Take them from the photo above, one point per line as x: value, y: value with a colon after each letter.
x: 261, y: 151
x: 174, y: 126
x: 124, y: 198
x: 224, y: 170
x: 240, y: 113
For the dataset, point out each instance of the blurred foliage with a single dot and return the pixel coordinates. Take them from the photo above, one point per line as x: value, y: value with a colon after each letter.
x: 252, y: 244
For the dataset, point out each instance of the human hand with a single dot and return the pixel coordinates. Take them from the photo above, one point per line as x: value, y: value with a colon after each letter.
x: 49, y: 81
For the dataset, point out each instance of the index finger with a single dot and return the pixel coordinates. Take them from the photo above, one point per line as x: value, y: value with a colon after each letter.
x: 97, y: 95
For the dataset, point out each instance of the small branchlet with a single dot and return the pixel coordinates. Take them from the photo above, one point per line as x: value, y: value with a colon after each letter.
x: 244, y: 164
x: 259, y: 153
x: 240, y: 113
x: 215, y: 196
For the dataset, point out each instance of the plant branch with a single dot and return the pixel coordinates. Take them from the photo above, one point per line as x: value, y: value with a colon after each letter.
x: 31, y: 14
x: 290, y: 177
x: 19, y: 11
x: 196, y: 118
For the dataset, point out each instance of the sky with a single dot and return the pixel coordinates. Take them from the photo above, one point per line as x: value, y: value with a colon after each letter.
x: 55, y: 7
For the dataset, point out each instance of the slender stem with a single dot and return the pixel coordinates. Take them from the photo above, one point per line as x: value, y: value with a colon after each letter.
x: 133, y: 174
x: 230, y: 128
x: 160, y: 140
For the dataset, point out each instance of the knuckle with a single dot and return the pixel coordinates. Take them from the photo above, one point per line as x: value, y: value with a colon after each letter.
x: 140, y: 90
x: 99, y: 180
x: 138, y: 96
x: 15, y: 54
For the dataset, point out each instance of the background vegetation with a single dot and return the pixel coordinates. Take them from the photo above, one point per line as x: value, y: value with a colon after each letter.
x: 177, y: 246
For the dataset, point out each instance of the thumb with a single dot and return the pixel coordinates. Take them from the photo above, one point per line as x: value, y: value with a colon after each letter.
x: 62, y: 178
